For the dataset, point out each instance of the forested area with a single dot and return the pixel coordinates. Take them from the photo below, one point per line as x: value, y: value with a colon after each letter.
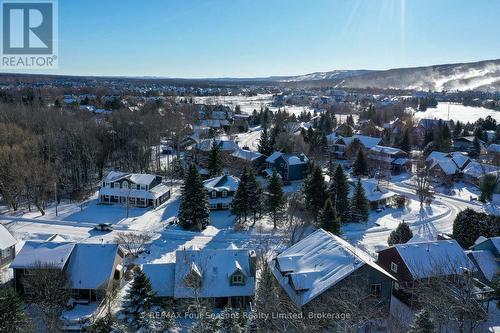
x: 49, y: 151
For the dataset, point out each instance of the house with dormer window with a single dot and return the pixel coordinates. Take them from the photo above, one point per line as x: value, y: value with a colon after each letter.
x: 139, y: 190
x: 289, y: 166
x: 221, y: 191
x: 223, y: 277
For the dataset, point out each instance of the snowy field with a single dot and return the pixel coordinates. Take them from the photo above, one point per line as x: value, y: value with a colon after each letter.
x: 458, y: 112
x: 250, y: 103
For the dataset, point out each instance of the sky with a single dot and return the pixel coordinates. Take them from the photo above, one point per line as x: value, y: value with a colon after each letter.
x: 256, y: 38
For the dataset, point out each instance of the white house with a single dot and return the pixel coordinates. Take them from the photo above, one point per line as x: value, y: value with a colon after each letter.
x: 141, y: 190
x: 7, y: 246
x: 221, y: 191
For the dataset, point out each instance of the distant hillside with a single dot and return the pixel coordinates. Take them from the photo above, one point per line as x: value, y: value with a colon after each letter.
x: 482, y: 75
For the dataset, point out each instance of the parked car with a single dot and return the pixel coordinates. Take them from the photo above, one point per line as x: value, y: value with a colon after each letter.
x: 104, y: 227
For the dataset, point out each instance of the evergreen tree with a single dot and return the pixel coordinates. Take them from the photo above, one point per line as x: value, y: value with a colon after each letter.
x: 487, y: 186
x: 476, y: 148
x: 194, y: 212
x: 400, y: 235
x: 339, y: 193
x: 422, y: 323
x: 231, y: 321
x: 405, y: 141
x: 276, y: 200
x: 360, y: 206
x: 256, y: 196
x: 360, y: 166
x: 265, y: 145
x: 242, y: 202
x: 315, y: 191
x: 215, y: 163
x: 328, y: 218
x: 204, y: 323
x: 457, y: 130
x: 139, y: 298
x: 12, y: 316
x: 469, y: 225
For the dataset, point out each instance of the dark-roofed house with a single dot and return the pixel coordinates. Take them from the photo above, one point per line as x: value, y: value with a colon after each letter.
x: 221, y: 191
x: 90, y: 268
x: 413, y: 262
x: 7, y: 246
x: 289, y: 166
x: 140, y: 190
x: 242, y: 158
x: 322, y: 262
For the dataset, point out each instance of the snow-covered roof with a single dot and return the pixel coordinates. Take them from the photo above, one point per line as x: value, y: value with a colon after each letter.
x: 434, y: 258
x: 417, y: 239
x: 215, y: 268
x: 386, y: 150
x: 137, y: 178
x: 153, y: 193
x: 56, y: 238
x: 273, y: 157
x: 476, y: 170
x: 91, y: 266
x: 6, y: 239
x: 222, y: 183
x: 450, y: 163
x: 291, y: 159
x: 246, y: 155
x: 224, y: 143
x: 486, y: 262
x: 367, y: 141
x: 35, y: 254
x: 161, y: 277
x: 373, y: 190
x: 316, y: 263
x: 494, y: 148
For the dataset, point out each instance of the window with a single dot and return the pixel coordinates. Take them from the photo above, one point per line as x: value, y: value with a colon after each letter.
x: 224, y: 194
x: 225, y: 205
x: 394, y: 267
x: 237, y: 279
x: 133, y: 186
x: 375, y: 289
x: 213, y: 206
x: 124, y: 184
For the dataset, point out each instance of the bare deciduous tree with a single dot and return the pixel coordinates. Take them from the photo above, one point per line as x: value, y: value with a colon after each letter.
x: 133, y: 242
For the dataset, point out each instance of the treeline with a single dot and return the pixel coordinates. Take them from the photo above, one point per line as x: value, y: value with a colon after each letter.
x: 44, y: 151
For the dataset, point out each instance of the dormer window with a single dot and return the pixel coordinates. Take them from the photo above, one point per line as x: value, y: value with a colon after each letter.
x: 224, y: 193
x: 125, y: 185
x: 213, y: 194
x: 237, y: 279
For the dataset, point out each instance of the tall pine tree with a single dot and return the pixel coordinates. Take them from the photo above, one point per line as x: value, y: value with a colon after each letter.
x: 276, y: 200
x: 360, y: 207
x: 339, y: 193
x: 242, y: 202
x: 12, y: 316
x: 328, y: 218
x: 315, y: 191
x: 194, y: 212
x: 400, y: 235
x: 360, y: 166
x: 265, y: 145
x: 139, y: 298
x: 256, y: 195
x: 215, y: 162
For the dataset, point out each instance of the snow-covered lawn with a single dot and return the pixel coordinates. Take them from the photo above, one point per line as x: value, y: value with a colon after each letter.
x: 457, y: 112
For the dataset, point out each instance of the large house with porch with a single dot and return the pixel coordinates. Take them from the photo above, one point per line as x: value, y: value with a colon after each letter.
x: 139, y: 190
x: 382, y: 158
x: 341, y: 145
x: 90, y: 268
